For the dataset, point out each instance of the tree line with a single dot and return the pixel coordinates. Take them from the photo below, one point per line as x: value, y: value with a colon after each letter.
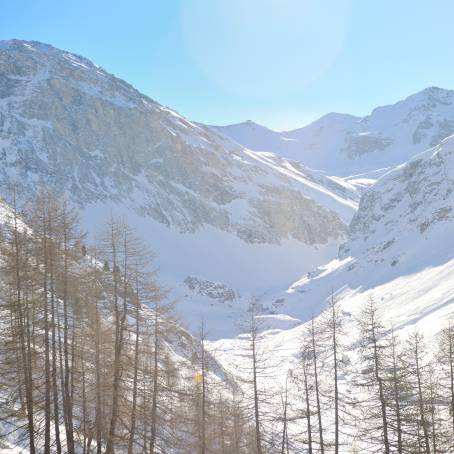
x: 93, y: 360
x: 367, y: 390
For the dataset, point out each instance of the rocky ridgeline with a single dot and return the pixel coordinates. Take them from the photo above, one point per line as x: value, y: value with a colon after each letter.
x: 347, y: 145
x: 74, y: 127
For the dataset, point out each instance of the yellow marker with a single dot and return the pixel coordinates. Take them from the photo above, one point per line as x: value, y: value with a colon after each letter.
x: 198, y: 377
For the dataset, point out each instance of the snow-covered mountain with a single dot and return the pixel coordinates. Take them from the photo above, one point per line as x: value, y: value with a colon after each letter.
x: 228, y: 222
x: 345, y: 145
x: 400, y: 245
x: 255, y: 137
x: 215, y: 212
x: 225, y: 221
x: 400, y: 252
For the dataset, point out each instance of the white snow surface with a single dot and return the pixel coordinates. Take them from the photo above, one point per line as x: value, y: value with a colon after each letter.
x: 246, y: 222
x: 400, y: 253
x: 400, y: 249
x: 396, y: 198
x: 347, y: 145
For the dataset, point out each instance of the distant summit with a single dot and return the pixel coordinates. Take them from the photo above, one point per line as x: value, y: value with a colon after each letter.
x: 345, y: 145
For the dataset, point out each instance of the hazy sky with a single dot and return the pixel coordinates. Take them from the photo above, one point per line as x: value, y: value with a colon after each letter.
x: 282, y: 63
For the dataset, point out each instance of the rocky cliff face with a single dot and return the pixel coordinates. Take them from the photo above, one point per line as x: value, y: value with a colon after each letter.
x: 412, y: 204
x: 399, y: 248
x: 70, y: 125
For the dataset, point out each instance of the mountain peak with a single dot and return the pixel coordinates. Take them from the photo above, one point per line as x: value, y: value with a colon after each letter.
x: 430, y: 93
x: 36, y: 46
x: 81, y: 131
x: 435, y: 90
x: 245, y: 124
x: 345, y: 145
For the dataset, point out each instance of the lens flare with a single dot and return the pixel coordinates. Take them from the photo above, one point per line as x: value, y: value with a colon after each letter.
x: 264, y: 48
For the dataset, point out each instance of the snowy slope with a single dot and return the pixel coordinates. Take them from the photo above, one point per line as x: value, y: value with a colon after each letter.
x: 177, y: 344
x: 402, y: 232
x: 399, y: 247
x: 345, y: 145
x: 211, y: 209
x: 400, y: 252
x: 256, y: 137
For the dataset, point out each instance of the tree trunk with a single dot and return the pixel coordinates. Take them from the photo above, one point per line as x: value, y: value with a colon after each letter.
x: 119, y: 323
x: 336, y: 386
x: 308, y: 411
x: 99, y: 412
x: 47, y: 411
x: 451, y: 370
x: 258, y: 437
x: 317, y: 391
x: 396, y: 396
x: 420, y: 396
x: 25, y: 347
x: 154, y: 398
x: 284, y: 441
x: 67, y: 399
x: 54, y: 318
x: 136, y: 367
x: 202, y: 342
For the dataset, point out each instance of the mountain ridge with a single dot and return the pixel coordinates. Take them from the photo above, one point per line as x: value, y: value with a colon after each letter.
x: 211, y: 208
x: 345, y: 145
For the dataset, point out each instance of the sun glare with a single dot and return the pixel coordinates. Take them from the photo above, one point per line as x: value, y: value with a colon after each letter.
x: 264, y: 48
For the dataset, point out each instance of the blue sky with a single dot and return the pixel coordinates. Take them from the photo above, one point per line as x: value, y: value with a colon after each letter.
x: 282, y: 63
